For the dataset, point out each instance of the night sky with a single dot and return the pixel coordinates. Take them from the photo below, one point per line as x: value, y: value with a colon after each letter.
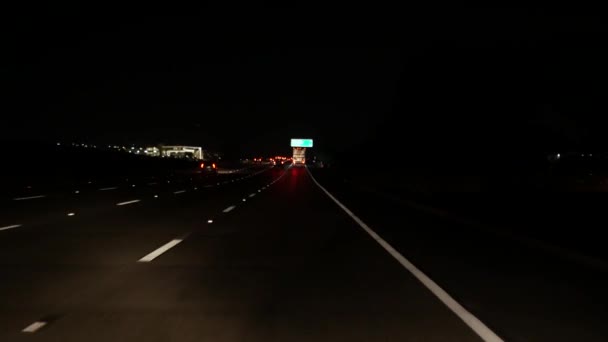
x: 429, y: 80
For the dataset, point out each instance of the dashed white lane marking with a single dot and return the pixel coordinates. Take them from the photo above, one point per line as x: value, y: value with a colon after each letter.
x: 13, y: 226
x: 71, y: 214
x: 251, y: 195
x: 229, y: 209
x: 128, y: 202
x: 179, y: 192
x: 108, y: 189
x: 32, y: 328
x: 209, y: 221
x: 160, y: 250
x: 155, y: 196
x: 28, y: 198
x: 473, y: 322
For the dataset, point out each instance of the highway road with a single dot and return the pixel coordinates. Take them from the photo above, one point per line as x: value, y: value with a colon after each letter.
x: 272, y: 254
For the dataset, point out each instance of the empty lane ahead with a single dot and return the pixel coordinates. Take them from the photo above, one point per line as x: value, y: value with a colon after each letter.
x: 270, y: 258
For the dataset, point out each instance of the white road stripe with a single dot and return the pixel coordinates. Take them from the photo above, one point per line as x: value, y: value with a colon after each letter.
x: 128, y: 202
x: 10, y: 227
x: 110, y: 188
x: 473, y: 322
x: 179, y: 192
x: 229, y: 209
x: 160, y: 250
x: 28, y: 198
x: 251, y: 195
x: 32, y: 328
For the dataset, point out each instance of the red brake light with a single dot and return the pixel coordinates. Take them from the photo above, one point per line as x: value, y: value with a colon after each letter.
x: 202, y: 165
x: 213, y: 165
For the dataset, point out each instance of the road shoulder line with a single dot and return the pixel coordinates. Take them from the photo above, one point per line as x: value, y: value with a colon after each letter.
x: 468, y: 318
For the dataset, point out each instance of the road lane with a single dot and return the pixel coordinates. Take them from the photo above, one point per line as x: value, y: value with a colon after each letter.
x: 53, y: 269
x: 286, y: 266
x: 93, y: 200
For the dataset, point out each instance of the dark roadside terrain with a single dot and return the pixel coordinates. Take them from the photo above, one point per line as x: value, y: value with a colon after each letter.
x: 29, y: 167
x: 530, y: 255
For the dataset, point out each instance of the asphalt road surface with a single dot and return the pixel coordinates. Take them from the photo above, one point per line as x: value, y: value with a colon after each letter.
x: 272, y: 255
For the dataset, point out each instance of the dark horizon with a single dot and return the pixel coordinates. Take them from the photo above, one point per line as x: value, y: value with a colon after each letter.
x: 524, y: 82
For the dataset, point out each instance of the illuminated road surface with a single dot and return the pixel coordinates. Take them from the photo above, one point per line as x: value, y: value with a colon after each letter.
x: 272, y: 256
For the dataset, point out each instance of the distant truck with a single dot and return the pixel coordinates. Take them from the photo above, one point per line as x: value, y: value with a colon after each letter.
x: 299, y: 155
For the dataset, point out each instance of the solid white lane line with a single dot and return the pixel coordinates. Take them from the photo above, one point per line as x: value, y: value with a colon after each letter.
x: 179, y: 192
x: 128, y: 202
x: 28, y: 198
x: 229, y: 209
x: 110, y: 188
x: 10, y: 227
x: 160, y: 250
x: 473, y: 322
x: 251, y: 195
x: 32, y: 328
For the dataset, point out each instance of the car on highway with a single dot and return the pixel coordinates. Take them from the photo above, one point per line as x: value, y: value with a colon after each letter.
x: 208, y: 167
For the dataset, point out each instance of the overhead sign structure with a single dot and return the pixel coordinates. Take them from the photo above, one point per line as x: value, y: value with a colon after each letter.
x: 301, y: 142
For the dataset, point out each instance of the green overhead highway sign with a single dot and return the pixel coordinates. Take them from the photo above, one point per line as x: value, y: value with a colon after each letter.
x: 301, y: 142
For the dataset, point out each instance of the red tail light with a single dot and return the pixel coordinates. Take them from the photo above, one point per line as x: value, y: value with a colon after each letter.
x: 213, y: 165
x: 202, y: 165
